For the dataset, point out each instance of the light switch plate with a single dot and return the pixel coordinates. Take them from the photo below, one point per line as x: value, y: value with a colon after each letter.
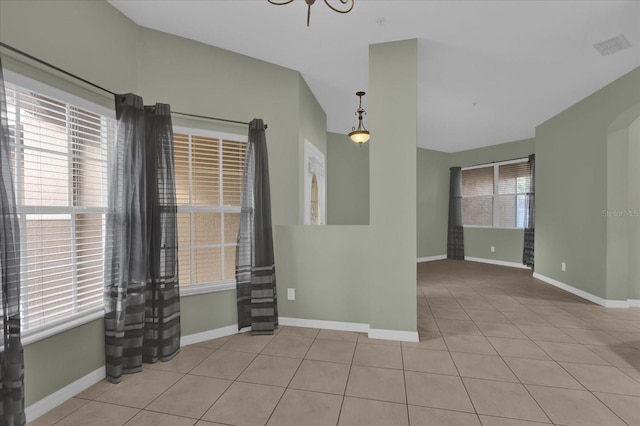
x: 291, y: 294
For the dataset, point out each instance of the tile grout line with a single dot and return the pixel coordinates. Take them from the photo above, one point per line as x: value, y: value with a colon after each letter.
x: 524, y: 386
x: 404, y: 381
x: 589, y: 313
x: 285, y: 388
x: 195, y: 375
x: 605, y: 404
x: 464, y: 385
x: 346, y: 385
x: 561, y: 329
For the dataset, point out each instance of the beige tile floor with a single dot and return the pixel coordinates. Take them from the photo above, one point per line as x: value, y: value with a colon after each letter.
x: 497, y: 348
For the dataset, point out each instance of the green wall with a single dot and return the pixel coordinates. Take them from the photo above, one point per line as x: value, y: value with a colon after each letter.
x: 348, y: 191
x: 206, y: 80
x: 105, y: 55
x: 623, y: 207
x: 347, y: 181
x: 571, y: 186
x: 494, y: 153
x: 65, y: 33
x: 393, y: 118
x: 312, y: 122
x: 360, y: 273
x: 507, y: 242
x: 208, y: 311
x: 478, y: 241
x: 633, y: 236
x: 107, y: 48
x: 328, y: 267
x: 365, y: 274
x: 53, y: 363
x: 432, y: 202
x: 617, y: 227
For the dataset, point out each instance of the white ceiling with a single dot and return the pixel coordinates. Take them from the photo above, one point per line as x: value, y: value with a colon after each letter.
x: 489, y: 71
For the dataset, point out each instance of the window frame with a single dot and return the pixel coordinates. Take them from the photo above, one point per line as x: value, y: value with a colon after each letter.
x: 224, y: 285
x: 495, y: 197
x: 54, y: 327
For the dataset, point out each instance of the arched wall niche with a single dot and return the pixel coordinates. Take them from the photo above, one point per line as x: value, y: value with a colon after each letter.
x: 315, y: 196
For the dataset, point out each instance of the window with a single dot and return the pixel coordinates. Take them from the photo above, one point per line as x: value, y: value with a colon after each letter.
x: 495, y: 195
x: 208, y: 173
x: 58, y: 161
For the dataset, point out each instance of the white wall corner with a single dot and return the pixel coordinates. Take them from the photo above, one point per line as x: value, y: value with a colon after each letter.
x: 403, y: 336
x: 60, y: 396
x: 431, y: 258
x: 497, y: 262
x: 587, y: 296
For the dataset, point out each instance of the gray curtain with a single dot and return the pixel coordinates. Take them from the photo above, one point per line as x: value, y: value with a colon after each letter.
x: 142, y: 312
x: 455, y: 234
x: 255, y: 267
x: 530, y: 218
x: 162, y: 298
x: 11, y: 355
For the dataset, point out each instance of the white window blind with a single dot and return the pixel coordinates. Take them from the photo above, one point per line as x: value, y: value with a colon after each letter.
x: 494, y: 195
x: 208, y: 173
x: 477, y: 196
x: 59, y: 166
x: 514, y: 182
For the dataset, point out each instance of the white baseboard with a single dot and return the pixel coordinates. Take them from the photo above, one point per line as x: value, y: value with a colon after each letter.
x: 496, y: 262
x: 326, y: 325
x: 431, y: 258
x: 208, y: 335
x: 50, y: 402
x: 53, y: 400
x: 405, y: 336
x: 588, y: 296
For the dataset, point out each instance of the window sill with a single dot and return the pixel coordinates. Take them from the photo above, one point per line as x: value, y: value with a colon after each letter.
x: 30, y: 337
x: 491, y: 227
x: 192, y: 290
x: 60, y: 326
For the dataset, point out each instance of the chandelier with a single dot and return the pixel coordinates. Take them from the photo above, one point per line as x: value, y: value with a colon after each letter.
x: 346, y: 6
x: 361, y: 134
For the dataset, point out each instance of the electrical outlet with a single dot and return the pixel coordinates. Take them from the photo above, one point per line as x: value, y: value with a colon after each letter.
x: 563, y: 266
x: 493, y: 249
x: 291, y: 294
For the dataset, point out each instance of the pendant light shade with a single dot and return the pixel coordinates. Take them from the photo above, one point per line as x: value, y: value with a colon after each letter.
x: 360, y: 135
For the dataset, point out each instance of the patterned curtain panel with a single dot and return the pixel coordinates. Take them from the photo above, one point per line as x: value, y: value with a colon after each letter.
x: 11, y: 355
x: 141, y: 288
x: 530, y: 218
x: 255, y: 266
x: 455, y: 234
x: 162, y: 298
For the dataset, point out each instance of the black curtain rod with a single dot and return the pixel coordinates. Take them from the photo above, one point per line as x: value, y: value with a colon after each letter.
x: 67, y: 73
x: 211, y: 118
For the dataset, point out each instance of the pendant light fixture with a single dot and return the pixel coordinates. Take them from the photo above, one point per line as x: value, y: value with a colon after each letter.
x: 346, y: 6
x: 361, y: 134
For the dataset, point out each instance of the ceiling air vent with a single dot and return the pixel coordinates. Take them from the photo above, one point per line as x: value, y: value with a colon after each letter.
x: 613, y: 45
